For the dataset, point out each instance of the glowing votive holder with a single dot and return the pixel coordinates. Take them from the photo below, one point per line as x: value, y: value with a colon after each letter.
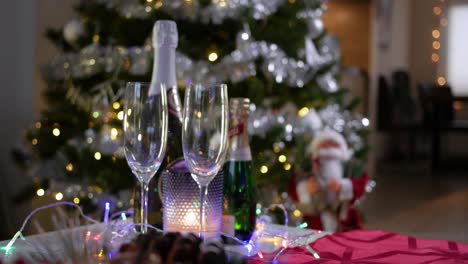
x: 181, y: 200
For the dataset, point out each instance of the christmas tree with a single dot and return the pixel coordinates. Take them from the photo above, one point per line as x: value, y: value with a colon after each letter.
x: 275, y: 52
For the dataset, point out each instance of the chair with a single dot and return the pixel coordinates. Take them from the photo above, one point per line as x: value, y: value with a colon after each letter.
x: 404, y: 115
x: 439, y: 116
x: 401, y: 116
x: 384, y: 105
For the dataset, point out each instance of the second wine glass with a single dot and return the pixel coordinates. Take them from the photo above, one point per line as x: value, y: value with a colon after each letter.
x: 205, y: 135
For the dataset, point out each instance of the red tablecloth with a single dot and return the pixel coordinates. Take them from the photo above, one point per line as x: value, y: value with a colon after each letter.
x: 375, y: 247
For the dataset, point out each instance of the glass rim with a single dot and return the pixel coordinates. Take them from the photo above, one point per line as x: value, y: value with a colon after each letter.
x: 204, y: 86
x: 144, y: 83
x: 188, y: 84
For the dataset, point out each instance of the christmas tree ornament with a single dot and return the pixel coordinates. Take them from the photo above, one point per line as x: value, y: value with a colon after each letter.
x: 326, y: 195
x: 73, y: 30
x: 315, y: 27
x: 328, y: 83
x: 329, y: 47
x: 313, y: 58
x: 311, y: 122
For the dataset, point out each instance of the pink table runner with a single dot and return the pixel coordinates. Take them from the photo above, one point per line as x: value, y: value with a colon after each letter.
x: 375, y: 247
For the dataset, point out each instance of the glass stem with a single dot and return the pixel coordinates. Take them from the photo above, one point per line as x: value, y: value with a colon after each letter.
x: 203, y: 194
x: 144, y: 207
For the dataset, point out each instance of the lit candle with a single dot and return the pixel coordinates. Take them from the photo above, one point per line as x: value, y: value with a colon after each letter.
x: 181, y: 202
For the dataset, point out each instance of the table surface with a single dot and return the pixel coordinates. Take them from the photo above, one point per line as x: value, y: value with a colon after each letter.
x: 375, y: 247
x: 360, y: 246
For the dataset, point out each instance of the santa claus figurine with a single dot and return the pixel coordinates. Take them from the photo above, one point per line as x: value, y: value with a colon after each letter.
x: 326, y: 197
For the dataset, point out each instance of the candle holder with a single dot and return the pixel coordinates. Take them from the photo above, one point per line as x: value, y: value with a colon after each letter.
x: 181, y: 200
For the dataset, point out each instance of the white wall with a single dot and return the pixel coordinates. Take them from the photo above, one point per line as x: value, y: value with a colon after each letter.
x: 17, y: 26
x: 457, y: 55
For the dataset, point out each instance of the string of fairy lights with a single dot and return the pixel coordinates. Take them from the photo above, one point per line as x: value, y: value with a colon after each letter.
x: 439, y: 12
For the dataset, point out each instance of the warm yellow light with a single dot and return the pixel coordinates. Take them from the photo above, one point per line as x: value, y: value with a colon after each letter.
x: 457, y: 105
x: 114, y: 133
x: 129, y: 112
x: 116, y: 105
x: 92, y: 61
x: 282, y: 158
x: 148, y: 9
x: 436, y: 33
x: 34, y: 141
x: 96, y: 38
x: 297, y: 213
x: 436, y: 45
x: 212, y: 56
x: 444, y: 22
x: 149, y: 1
x: 38, y: 125
x: 69, y: 167
x: 276, y: 149
x: 303, y: 112
x: 56, y: 132
x: 76, y: 200
x: 59, y: 196
x: 40, y: 192
x: 95, y: 114
x: 158, y: 4
x: 222, y: 3
x: 437, y: 10
x: 435, y: 57
x: 190, y: 218
x: 120, y: 115
x: 97, y: 155
x: 264, y: 169
x: 441, y: 81
x: 287, y: 166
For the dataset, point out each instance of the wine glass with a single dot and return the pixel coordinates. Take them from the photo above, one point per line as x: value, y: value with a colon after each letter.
x: 205, y: 135
x: 145, y: 135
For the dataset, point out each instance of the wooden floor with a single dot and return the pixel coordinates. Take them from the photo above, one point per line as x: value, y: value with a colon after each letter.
x: 409, y: 199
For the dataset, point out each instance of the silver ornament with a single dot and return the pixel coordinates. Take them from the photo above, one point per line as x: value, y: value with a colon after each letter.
x: 329, y: 47
x: 73, y: 30
x: 311, y: 122
x: 315, y: 27
x: 328, y: 83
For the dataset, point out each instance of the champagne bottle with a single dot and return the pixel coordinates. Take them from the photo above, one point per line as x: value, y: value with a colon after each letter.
x: 239, y: 202
x: 165, y: 38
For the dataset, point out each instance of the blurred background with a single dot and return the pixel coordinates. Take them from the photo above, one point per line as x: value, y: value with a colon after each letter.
x: 406, y: 60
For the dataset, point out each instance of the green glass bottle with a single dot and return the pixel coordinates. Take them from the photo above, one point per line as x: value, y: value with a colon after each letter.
x: 165, y: 38
x: 240, y: 197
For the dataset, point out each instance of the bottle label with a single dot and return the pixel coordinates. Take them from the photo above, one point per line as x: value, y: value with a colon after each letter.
x: 238, y: 151
x: 236, y: 130
x: 242, y: 154
x: 228, y: 224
